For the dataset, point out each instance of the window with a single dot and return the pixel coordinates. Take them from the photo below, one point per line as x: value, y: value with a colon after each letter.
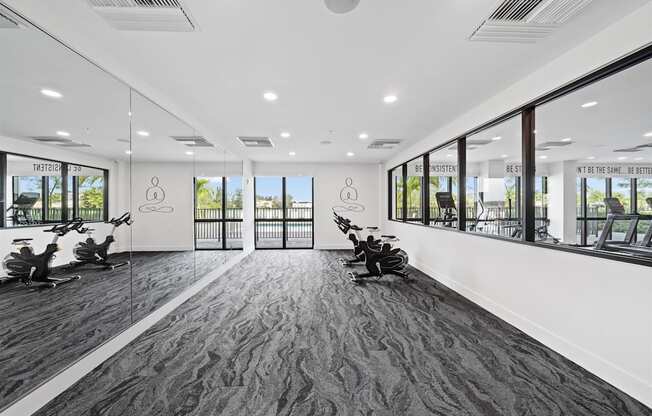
x: 39, y: 191
x: 494, y: 160
x: 442, y: 187
x: 396, y: 178
x: 218, y: 213
x: 284, y: 212
x: 413, y: 190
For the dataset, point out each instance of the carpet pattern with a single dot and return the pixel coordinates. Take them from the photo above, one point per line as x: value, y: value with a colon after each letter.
x: 286, y: 333
x: 44, y: 331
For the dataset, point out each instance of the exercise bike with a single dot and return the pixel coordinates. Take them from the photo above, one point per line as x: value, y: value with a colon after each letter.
x: 381, y: 262
x: 353, y: 233
x: 89, y: 252
x: 32, y: 269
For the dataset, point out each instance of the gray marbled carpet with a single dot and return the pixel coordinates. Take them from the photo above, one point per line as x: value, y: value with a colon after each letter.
x: 286, y: 333
x: 44, y: 331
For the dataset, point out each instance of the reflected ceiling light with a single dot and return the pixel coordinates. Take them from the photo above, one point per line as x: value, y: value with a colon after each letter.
x: 51, y: 93
x: 270, y: 96
x: 128, y: 152
x: 285, y: 135
x: 142, y: 133
x: 350, y: 154
x: 648, y: 134
x: 341, y: 6
x: 535, y: 131
x: 363, y: 136
x: 389, y: 99
x: 449, y: 155
x: 495, y: 139
x: 590, y: 104
x: 292, y: 153
x: 591, y: 157
x: 622, y: 158
x: 189, y: 153
x: 503, y: 156
x: 543, y: 157
x: 567, y: 139
x: 63, y: 133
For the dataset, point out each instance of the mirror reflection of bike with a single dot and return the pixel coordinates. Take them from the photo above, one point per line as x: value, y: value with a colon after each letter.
x: 32, y: 269
x: 89, y: 252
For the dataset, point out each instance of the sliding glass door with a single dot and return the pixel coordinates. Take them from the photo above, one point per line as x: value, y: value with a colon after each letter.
x: 284, y: 212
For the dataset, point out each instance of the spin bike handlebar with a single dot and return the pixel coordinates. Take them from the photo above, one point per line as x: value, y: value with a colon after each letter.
x: 123, y: 219
x: 65, y: 228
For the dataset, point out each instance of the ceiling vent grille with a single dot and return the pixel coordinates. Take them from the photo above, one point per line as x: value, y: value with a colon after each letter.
x: 50, y: 139
x: 10, y: 21
x: 255, y: 141
x: 73, y: 144
x: 384, y: 144
x: 193, y: 141
x: 526, y: 21
x: 145, y: 15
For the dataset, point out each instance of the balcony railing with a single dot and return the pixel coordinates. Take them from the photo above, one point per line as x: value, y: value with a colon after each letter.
x: 277, y: 213
x: 54, y: 214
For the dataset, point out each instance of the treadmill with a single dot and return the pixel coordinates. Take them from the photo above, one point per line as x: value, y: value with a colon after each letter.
x: 616, y: 212
x: 447, y: 209
x: 21, y: 209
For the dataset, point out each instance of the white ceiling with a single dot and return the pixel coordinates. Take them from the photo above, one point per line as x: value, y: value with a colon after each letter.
x: 330, y: 71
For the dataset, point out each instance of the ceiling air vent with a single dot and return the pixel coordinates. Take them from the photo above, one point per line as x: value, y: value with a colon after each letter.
x: 193, y: 141
x: 146, y: 15
x: 73, y: 144
x: 50, y: 139
x: 384, y: 144
x: 255, y: 141
x: 526, y: 21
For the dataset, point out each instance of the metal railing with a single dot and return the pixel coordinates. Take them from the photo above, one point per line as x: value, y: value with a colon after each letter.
x: 277, y: 213
x: 212, y: 230
x: 274, y: 230
x: 54, y: 214
x: 216, y: 213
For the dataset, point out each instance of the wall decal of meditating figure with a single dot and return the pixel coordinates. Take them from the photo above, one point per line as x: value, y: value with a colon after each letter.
x: 349, y: 197
x: 155, y: 196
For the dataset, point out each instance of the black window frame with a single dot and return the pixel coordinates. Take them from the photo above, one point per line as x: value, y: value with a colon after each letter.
x: 527, y: 111
x: 284, y: 220
x: 223, y: 220
x: 5, y: 200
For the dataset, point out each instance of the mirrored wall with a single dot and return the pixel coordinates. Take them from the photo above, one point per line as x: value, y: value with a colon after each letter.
x: 111, y: 206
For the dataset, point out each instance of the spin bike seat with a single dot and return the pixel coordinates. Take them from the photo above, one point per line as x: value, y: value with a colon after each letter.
x: 21, y: 240
x: 372, y: 228
x: 388, y: 236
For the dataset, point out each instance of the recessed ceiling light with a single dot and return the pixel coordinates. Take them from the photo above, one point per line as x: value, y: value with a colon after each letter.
x: 292, y: 153
x: 389, y: 99
x: 189, y: 153
x: 543, y: 157
x: 648, y: 134
x: 143, y: 133
x: 63, y: 133
x: 128, y: 152
x: 638, y: 158
x: 622, y: 158
x: 567, y: 139
x: 591, y: 157
x: 350, y: 154
x: 363, y: 136
x: 449, y: 155
x: 590, y: 104
x: 535, y: 131
x: 285, y: 135
x: 503, y: 156
x: 270, y: 96
x: 495, y: 139
x: 51, y: 93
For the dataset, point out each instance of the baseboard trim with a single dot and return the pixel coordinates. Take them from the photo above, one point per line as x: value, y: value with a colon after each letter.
x: 333, y: 247
x: 43, y: 394
x: 605, y: 369
x: 162, y: 248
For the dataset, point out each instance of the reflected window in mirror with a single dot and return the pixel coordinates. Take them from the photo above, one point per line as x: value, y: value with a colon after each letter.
x: 442, y: 187
x: 88, y: 192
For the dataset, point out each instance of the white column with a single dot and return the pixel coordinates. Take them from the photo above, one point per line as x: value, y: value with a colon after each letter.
x: 562, y: 200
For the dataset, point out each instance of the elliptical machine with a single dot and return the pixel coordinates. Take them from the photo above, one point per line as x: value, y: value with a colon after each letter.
x: 33, y: 270
x: 91, y: 253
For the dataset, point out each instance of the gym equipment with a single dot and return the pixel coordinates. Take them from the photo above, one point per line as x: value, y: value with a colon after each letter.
x: 91, y: 253
x: 34, y: 269
x: 475, y: 226
x: 446, y: 209
x: 616, y: 212
x: 540, y: 231
x: 353, y: 233
x: 21, y: 209
x: 381, y: 262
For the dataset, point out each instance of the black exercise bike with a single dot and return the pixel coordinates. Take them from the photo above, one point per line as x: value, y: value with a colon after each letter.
x: 33, y: 270
x: 90, y: 252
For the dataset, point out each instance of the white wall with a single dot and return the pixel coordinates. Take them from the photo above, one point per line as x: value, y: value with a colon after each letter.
x: 329, y: 179
x: 594, y: 311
